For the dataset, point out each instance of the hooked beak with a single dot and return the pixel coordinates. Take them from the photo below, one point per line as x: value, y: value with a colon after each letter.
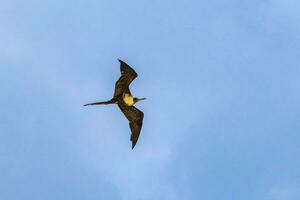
x: 142, y: 99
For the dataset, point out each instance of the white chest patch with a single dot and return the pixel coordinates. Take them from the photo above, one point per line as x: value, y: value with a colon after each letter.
x: 128, y: 100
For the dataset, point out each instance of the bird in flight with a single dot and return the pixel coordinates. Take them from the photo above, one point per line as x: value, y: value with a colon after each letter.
x: 123, y: 98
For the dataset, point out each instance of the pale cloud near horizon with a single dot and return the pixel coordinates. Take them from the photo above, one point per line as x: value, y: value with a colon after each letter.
x: 284, y: 193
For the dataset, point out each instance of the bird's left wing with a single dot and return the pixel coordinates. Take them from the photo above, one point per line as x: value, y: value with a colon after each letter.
x: 135, y: 118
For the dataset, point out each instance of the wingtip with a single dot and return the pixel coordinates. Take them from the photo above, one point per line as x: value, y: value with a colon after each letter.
x: 133, y: 145
x: 120, y: 60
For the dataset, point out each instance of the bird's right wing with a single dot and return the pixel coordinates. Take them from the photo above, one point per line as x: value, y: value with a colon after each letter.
x: 135, y: 118
x: 127, y: 76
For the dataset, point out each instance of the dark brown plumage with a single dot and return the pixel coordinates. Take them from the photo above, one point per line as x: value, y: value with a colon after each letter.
x: 122, y: 97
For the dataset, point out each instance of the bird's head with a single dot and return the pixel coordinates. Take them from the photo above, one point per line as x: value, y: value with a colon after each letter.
x: 135, y: 99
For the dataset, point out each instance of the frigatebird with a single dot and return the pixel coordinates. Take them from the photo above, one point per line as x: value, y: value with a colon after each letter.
x: 123, y: 98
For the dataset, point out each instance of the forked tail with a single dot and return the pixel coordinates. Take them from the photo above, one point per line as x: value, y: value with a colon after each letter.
x: 112, y: 101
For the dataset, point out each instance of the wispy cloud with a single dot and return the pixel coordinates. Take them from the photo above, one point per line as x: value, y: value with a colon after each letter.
x: 285, y: 8
x: 285, y: 193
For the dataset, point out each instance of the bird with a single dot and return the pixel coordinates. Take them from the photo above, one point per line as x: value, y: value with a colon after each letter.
x: 125, y: 101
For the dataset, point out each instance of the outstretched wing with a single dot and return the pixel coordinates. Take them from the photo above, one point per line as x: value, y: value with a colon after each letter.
x: 127, y: 76
x: 135, y: 118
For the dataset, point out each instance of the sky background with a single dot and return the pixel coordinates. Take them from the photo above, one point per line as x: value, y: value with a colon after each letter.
x: 221, y: 116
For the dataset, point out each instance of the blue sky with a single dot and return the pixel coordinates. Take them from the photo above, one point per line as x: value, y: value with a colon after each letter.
x: 221, y: 115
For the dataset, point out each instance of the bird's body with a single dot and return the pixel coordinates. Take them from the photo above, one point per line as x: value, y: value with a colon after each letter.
x: 124, y: 99
x: 128, y: 99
